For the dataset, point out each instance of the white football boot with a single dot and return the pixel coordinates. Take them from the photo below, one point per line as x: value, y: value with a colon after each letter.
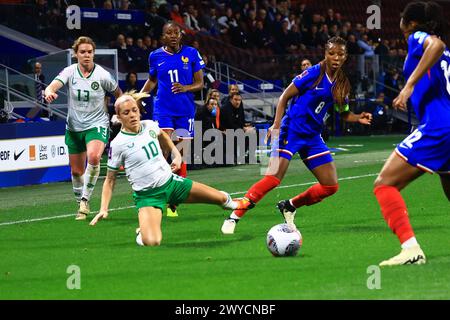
x: 288, y: 211
x: 413, y: 255
x: 228, y: 226
x: 83, y: 210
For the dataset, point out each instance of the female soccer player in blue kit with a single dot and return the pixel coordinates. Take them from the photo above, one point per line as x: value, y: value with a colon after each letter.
x: 177, y: 70
x: 427, y: 149
x: 319, y: 88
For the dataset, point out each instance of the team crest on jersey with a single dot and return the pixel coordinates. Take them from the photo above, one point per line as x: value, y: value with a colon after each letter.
x: 185, y: 61
x: 95, y: 85
x: 152, y: 134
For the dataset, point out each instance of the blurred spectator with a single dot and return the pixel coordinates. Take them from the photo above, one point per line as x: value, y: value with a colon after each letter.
x: 305, y: 15
x: 190, y: 18
x: 382, y: 50
x: 39, y: 90
x: 107, y: 5
x: 232, y: 89
x: 226, y: 20
x: 232, y: 114
x: 176, y: 16
x: 305, y: 64
x: 352, y: 46
x: 391, y: 81
x: 131, y: 82
x: 153, y: 22
x: 261, y: 38
x: 122, y: 50
x: 140, y: 55
x: 330, y: 18
x: 209, y: 22
x: 209, y: 114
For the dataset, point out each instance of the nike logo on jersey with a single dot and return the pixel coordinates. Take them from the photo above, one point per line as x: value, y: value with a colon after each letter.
x: 160, y: 64
x: 317, y: 88
x: 17, y: 156
x: 73, y: 81
x: 130, y: 145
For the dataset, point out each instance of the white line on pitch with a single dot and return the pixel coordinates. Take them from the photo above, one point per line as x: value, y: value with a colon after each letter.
x: 130, y: 207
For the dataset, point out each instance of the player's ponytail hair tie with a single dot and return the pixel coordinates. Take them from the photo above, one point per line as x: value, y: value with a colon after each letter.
x: 131, y: 96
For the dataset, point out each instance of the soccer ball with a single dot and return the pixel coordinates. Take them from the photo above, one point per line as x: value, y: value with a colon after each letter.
x: 283, y: 240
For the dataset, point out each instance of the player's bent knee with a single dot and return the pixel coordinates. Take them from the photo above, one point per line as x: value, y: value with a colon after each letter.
x: 151, y: 242
x: 94, y: 159
x: 76, y: 172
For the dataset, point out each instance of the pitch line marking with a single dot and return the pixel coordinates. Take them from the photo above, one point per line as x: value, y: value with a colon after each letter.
x: 130, y: 207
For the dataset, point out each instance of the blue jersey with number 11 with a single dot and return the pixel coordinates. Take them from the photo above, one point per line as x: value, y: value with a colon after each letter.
x: 168, y: 68
x: 431, y: 95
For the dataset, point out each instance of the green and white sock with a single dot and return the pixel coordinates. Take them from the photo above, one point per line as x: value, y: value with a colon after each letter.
x: 90, y: 179
x: 77, y: 185
x: 229, y: 204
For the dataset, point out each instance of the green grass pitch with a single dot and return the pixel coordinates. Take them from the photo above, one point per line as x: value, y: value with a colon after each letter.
x: 342, y: 237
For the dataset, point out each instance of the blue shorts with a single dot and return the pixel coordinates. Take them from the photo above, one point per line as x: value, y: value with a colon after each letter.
x: 183, y: 126
x: 313, y: 150
x: 428, y: 150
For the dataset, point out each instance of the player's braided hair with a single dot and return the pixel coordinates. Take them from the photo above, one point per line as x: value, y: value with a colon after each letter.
x: 341, y: 87
x: 131, y: 95
x: 429, y: 17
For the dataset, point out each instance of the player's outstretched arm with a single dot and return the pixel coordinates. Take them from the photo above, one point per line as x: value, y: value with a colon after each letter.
x: 50, y: 94
x: 108, y: 187
x: 287, y: 94
x: 433, y: 50
x: 363, y: 117
x: 149, y: 85
x: 168, y: 146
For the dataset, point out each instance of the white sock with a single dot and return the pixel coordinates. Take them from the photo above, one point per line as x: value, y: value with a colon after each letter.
x: 229, y: 204
x: 234, y: 216
x: 411, y: 242
x: 90, y: 179
x: 77, y: 185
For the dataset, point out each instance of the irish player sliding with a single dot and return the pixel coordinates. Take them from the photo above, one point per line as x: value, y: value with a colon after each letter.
x: 139, y: 147
x: 319, y: 88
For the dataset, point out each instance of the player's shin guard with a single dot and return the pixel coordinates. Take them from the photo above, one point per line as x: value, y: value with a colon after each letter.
x: 394, y: 211
x: 77, y: 185
x: 259, y: 190
x: 90, y: 179
x: 313, y: 195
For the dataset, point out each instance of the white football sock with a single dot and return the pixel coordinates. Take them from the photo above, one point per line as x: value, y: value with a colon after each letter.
x: 229, y: 204
x: 411, y: 242
x: 234, y: 216
x: 90, y: 179
x: 77, y: 185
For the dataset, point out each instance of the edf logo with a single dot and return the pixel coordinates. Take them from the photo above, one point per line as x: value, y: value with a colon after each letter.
x: 73, y: 14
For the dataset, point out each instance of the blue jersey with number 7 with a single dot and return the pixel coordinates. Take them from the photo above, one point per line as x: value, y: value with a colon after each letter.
x: 431, y: 95
x: 168, y: 68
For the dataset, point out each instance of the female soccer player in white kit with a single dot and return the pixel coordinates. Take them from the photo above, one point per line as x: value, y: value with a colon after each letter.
x: 87, y: 124
x: 139, y: 148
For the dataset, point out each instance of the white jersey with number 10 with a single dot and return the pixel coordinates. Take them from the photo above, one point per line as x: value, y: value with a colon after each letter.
x: 142, y: 157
